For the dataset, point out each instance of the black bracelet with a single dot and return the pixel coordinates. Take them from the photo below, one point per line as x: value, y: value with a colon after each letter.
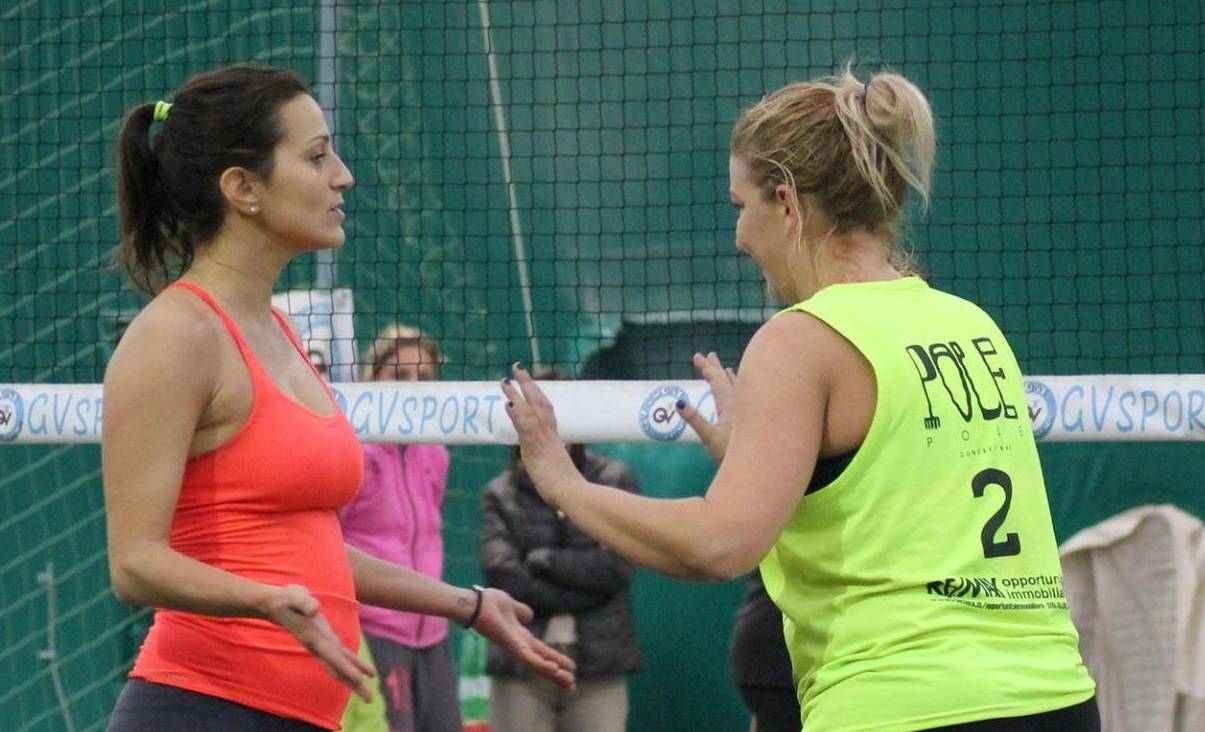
x: 477, y: 609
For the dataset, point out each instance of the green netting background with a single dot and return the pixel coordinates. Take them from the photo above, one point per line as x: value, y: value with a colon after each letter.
x: 1068, y: 200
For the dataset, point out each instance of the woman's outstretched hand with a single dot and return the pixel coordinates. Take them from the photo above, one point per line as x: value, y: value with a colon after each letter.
x: 723, y: 387
x: 294, y: 608
x: 503, y: 619
x: 545, y: 458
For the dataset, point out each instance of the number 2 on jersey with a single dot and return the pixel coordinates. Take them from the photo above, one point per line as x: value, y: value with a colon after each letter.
x: 1011, y: 545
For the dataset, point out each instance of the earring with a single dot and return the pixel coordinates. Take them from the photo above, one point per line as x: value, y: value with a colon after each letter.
x: 254, y: 208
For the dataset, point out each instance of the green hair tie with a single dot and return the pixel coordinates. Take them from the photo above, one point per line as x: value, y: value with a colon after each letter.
x: 161, y: 110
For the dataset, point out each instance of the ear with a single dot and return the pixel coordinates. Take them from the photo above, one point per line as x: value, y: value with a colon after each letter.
x: 793, y: 209
x: 240, y: 188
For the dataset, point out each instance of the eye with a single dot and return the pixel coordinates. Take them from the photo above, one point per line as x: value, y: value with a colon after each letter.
x: 317, y: 159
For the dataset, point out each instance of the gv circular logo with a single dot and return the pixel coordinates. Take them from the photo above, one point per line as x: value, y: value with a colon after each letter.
x: 12, y: 415
x: 659, y: 415
x: 1041, y: 404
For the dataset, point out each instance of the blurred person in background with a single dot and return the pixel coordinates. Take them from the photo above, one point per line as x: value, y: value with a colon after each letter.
x: 579, y: 590
x: 397, y: 516
x: 761, y: 667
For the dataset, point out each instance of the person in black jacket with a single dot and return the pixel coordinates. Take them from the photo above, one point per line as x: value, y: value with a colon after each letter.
x: 579, y: 592
x: 761, y: 666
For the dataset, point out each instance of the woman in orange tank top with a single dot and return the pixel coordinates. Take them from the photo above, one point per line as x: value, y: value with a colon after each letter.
x: 225, y: 456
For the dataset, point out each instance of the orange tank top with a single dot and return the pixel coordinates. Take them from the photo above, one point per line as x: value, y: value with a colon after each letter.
x: 262, y: 505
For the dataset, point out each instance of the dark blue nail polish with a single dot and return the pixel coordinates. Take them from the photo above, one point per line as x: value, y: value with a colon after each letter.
x: 510, y: 404
x: 519, y: 365
x: 506, y: 380
x: 680, y: 404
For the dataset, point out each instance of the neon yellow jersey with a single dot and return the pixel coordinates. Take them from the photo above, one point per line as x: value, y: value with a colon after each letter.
x: 922, y: 587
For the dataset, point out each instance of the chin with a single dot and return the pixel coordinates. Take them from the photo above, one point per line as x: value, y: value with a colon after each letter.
x: 315, y: 240
x: 334, y: 242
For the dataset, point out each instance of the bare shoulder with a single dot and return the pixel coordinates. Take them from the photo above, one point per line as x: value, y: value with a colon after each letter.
x: 797, y: 358
x: 796, y: 345
x: 172, y: 340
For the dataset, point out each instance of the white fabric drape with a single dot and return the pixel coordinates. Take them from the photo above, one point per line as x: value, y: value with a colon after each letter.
x: 1136, y: 588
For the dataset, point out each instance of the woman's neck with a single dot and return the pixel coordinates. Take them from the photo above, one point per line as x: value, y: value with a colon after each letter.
x: 241, y: 274
x: 850, y: 258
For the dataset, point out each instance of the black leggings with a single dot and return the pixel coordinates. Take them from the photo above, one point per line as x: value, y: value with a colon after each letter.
x: 1083, y: 717
x: 147, y: 707
x: 776, y: 708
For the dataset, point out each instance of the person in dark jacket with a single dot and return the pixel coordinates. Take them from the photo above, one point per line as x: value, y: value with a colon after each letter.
x: 761, y: 666
x: 579, y: 592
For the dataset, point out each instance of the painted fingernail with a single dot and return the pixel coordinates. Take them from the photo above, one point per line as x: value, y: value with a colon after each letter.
x: 510, y: 404
x: 519, y: 365
x: 506, y: 380
x: 680, y: 404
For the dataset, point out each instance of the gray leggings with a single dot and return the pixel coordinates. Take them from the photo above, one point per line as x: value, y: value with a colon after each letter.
x: 419, y: 686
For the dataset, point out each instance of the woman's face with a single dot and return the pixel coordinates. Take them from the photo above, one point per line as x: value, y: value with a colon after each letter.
x: 764, y: 230
x: 409, y: 363
x: 302, y: 201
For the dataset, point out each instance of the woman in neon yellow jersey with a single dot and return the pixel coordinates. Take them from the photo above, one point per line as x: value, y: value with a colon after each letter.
x: 875, y: 454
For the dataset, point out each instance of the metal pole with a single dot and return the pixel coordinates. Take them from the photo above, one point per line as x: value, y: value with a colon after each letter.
x: 328, y: 98
x: 516, y: 229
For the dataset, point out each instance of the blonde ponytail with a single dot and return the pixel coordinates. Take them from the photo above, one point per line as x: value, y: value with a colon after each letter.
x: 890, y: 130
x: 855, y: 148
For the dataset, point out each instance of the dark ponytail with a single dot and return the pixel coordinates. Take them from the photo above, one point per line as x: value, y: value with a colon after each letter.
x: 167, y: 185
x: 147, y: 246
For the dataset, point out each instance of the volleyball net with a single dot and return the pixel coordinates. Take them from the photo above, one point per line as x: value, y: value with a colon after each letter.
x: 546, y: 181
x: 539, y: 181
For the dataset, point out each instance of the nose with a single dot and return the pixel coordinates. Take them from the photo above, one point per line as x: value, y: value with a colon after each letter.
x: 343, y: 177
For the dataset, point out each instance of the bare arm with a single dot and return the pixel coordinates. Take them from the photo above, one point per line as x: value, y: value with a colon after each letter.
x: 500, y: 618
x: 152, y: 408
x: 781, y: 397
x: 385, y: 584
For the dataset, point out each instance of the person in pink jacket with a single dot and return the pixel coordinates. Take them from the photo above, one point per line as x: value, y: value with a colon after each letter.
x: 396, y: 516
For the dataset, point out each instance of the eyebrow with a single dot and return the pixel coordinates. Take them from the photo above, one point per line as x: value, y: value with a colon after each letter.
x: 323, y: 138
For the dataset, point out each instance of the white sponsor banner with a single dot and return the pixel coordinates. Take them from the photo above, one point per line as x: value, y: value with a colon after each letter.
x: 473, y: 412
x: 1115, y: 408
x: 1062, y: 408
x: 324, y: 321
x: 50, y: 413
